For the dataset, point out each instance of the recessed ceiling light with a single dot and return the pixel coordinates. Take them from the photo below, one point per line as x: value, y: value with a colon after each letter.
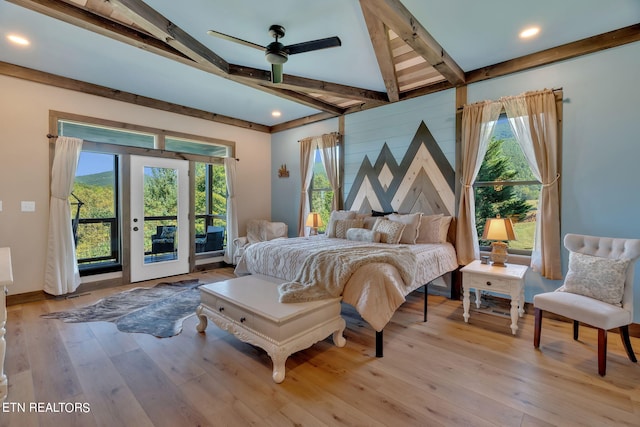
x: 529, y: 32
x: 276, y: 113
x: 19, y: 40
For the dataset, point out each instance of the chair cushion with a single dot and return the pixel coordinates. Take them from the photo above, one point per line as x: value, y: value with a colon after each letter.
x: 596, y: 277
x: 168, y: 232
x: 583, y: 309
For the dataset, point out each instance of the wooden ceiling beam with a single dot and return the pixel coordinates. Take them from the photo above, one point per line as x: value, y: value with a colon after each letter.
x: 97, y: 90
x: 585, y: 46
x: 174, y: 36
x: 301, y: 122
x: 398, y: 18
x: 303, y: 84
x: 162, y: 37
x: 379, y: 35
x: 83, y: 18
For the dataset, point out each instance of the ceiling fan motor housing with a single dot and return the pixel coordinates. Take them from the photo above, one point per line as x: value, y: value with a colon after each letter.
x: 276, y: 53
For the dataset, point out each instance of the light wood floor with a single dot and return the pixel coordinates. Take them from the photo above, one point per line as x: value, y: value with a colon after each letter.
x: 440, y: 373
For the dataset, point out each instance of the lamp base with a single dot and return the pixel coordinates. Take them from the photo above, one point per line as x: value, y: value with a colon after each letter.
x: 499, y: 254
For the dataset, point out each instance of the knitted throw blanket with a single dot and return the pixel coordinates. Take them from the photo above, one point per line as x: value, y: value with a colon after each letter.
x: 324, y: 274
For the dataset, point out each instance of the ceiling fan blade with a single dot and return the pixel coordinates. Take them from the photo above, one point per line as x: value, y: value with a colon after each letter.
x: 235, y: 39
x: 276, y: 73
x: 313, y: 45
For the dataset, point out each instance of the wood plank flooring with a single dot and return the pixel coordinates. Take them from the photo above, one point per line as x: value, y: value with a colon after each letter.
x: 440, y: 373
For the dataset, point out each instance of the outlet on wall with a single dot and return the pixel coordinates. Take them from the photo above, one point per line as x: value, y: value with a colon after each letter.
x: 28, y: 206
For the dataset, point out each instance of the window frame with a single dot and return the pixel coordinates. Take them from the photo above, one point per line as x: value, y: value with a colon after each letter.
x: 311, y: 190
x: 123, y: 151
x: 504, y: 183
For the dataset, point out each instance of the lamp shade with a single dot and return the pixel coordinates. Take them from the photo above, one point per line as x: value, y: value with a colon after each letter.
x: 498, y: 229
x: 314, y: 220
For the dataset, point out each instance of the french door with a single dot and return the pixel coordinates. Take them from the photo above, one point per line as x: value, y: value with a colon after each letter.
x: 159, y: 217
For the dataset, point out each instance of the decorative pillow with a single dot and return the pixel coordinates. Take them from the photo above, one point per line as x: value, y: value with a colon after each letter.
x: 342, y: 225
x: 429, y: 231
x: 596, y: 277
x: 168, y: 232
x: 335, y: 216
x: 412, y: 223
x: 390, y: 231
x: 445, y: 222
x: 363, y: 235
x: 378, y: 213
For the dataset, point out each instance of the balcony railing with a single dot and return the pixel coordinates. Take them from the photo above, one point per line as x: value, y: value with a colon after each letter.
x: 98, y: 242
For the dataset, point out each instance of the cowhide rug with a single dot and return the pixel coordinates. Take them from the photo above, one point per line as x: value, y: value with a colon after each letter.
x: 158, y: 311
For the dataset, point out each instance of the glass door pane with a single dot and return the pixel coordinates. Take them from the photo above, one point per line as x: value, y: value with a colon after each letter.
x: 159, y: 217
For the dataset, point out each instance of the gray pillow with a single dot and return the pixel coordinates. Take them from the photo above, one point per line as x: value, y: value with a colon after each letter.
x: 363, y: 235
x: 596, y: 277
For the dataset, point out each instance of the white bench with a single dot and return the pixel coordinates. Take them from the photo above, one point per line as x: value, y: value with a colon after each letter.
x: 248, y: 308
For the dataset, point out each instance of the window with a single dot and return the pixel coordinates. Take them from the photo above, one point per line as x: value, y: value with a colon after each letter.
x: 94, y: 211
x: 320, y: 192
x: 210, y: 207
x: 95, y: 200
x: 506, y: 186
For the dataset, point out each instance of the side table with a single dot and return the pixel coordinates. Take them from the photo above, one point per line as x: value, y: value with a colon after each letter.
x: 503, y: 280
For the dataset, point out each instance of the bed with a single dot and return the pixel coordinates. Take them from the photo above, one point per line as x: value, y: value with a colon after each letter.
x: 375, y: 289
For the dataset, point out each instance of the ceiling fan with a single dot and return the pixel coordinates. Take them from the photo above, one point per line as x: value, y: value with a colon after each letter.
x: 277, y: 53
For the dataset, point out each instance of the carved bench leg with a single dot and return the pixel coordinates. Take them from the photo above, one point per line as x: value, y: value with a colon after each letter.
x: 338, y: 338
x: 202, y: 325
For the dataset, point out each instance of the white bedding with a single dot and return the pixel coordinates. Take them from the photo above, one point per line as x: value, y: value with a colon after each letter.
x: 376, y: 290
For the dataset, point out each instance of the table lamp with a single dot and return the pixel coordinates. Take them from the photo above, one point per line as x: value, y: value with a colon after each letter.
x: 314, y: 221
x: 499, y: 230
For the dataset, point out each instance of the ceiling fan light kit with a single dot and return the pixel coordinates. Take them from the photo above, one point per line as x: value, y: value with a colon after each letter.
x: 276, y: 53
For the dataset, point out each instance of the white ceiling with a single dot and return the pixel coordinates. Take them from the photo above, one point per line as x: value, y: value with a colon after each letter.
x: 474, y: 33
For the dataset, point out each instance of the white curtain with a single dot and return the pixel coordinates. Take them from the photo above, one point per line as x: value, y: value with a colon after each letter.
x: 61, y: 272
x: 329, y: 155
x: 478, y: 122
x: 533, y: 119
x: 307, y: 153
x: 232, y: 216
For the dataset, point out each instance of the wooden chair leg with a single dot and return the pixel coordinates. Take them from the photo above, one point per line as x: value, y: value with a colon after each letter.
x: 624, y: 334
x: 602, y: 352
x: 537, y: 327
x: 576, y: 326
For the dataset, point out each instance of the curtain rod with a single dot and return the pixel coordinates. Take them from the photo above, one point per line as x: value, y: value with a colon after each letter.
x: 338, y: 134
x: 51, y: 136
x: 558, y: 89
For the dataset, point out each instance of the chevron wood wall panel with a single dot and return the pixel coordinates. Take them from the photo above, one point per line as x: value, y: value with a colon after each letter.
x: 423, y: 181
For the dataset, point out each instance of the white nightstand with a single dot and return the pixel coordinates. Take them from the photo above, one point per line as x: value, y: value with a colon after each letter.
x: 503, y: 280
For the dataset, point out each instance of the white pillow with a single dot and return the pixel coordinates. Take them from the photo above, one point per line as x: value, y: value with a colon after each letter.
x: 390, y: 231
x: 429, y: 231
x: 412, y: 224
x: 596, y: 277
x: 363, y: 235
x: 335, y: 216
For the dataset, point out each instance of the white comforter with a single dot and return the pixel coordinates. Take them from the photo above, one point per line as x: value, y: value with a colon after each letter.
x: 376, y: 290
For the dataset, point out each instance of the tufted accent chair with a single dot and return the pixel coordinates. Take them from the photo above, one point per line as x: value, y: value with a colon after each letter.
x: 594, y: 312
x: 258, y: 230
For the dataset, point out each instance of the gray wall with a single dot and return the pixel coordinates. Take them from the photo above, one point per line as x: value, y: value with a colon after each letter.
x: 600, y: 171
